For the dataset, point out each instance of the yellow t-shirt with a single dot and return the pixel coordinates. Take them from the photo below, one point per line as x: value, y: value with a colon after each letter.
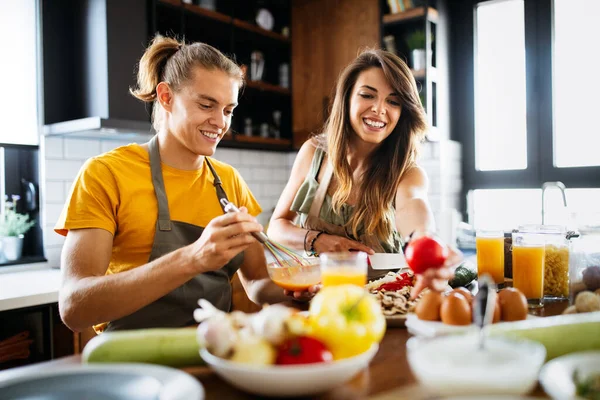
x: 114, y: 192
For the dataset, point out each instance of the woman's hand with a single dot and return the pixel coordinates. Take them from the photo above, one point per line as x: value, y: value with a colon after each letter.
x: 437, y: 278
x: 304, y: 295
x: 327, y: 243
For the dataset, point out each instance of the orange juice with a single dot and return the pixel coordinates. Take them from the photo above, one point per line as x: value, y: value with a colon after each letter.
x: 528, y: 270
x: 490, y: 257
x: 339, y: 276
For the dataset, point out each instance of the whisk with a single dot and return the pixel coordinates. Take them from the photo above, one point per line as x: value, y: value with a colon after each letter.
x: 282, y: 255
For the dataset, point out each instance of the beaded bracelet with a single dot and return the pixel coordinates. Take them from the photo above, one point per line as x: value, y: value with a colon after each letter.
x: 312, y: 244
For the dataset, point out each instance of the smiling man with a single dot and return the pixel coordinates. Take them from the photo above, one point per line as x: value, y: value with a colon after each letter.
x: 145, y: 233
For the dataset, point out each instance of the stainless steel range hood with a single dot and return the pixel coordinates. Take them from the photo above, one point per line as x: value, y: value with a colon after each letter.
x: 102, y: 128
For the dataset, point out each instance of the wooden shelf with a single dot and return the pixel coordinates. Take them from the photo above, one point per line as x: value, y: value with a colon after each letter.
x: 253, y: 28
x: 260, y: 140
x: 267, y: 87
x: 413, y: 13
x: 207, y: 13
x: 217, y: 16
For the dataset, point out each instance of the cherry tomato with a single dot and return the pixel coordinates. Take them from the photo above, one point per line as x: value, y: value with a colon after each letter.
x: 425, y: 252
x: 303, y: 350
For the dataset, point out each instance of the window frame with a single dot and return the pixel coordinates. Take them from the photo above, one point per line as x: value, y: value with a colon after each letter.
x: 539, y: 91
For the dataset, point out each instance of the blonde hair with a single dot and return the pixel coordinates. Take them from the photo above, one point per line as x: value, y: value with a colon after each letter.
x: 388, y: 164
x: 172, y: 61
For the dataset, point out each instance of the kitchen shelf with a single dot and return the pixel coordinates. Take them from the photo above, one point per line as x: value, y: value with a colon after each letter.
x: 256, y: 29
x: 267, y: 87
x: 414, y: 13
x: 207, y: 13
x: 256, y: 139
x: 217, y: 16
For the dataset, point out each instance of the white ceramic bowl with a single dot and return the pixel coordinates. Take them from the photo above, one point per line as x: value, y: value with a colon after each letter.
x: 453, y: 365
x: 289, y: 380
x: 557, y: 375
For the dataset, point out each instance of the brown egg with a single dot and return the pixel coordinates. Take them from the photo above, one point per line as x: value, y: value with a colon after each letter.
x: 513, y: 304
x: 497, y: 312
x: 428, y: 308
x: 455, y: 310
x: 465, y: 292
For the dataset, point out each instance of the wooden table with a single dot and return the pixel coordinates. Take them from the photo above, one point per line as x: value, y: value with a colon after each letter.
x: 388, y: 376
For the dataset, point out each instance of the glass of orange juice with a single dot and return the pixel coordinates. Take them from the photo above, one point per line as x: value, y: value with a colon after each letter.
x: 528, y: 257
x: 344, y: 268
x: 490, y: 255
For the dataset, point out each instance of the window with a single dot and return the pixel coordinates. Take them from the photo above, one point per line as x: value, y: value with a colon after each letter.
x: 500, y: 86
x: 19, y: 110
x: 576, y: 83
x: 525, y: 108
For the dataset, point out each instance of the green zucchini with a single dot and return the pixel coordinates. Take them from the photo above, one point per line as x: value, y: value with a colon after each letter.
x: 463, y: 275
x: 175, y: 347
x: 561, y: 334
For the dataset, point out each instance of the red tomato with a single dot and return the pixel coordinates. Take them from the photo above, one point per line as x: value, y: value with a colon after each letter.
x: 303, y: 350
x: 425, y: 252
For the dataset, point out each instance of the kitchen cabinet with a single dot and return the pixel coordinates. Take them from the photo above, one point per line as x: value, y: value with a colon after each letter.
x: 418, y: 35
x: 263, y: 119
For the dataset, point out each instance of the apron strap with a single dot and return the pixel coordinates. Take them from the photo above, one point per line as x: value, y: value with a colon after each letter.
x: 321, y: 192
x: 164, y: 218
x: 217, y: 183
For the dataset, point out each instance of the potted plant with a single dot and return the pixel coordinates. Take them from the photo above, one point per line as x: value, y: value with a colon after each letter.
x: 416, y: 44
x: 13, y: 227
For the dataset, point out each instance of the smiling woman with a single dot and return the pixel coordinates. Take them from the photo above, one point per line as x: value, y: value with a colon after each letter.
x: 357, y: 186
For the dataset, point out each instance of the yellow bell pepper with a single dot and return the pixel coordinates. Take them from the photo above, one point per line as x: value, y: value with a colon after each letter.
x: 347, y: 319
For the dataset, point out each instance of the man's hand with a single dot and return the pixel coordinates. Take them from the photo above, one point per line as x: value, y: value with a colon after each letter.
x: 327, y: 243
x: 223, y: 238
x: 437, y: 278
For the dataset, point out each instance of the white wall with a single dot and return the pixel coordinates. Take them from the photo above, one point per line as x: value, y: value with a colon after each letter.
x: 265, y: 172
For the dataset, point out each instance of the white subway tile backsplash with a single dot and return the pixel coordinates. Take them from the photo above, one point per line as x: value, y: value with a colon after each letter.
x: 62, y: 169
x: 81, y: 149
x: 55, y: 192
x: 251, y: 158
x: 53, y: 147
x: 257, y: 190
x: 53, y: 239
x: 229, y: 156
x: 108, y: 145
x: 52, y: 214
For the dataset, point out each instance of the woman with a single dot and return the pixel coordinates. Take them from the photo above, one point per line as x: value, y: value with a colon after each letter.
x: 358, y: 186
x: 145, y: 233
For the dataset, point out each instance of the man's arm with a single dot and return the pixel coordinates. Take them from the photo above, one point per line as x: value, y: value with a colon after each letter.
x: 88, y: 296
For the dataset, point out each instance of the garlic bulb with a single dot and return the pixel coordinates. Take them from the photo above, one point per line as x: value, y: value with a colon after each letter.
x: 217, y: 335
x: 270, y: 323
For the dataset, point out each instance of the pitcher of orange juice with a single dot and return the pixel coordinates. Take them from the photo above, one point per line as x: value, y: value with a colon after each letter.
x: 528, y: 257
x: 344, y: 268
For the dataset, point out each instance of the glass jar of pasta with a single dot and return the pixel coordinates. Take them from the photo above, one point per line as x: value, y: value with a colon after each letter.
x: 585, y: 261
x: 556, y: 259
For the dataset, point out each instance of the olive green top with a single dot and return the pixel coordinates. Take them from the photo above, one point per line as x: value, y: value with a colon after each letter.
x: 306, y: 194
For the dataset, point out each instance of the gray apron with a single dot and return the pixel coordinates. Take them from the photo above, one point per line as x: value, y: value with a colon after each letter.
x: 314, y: 222
x: 176, y: 308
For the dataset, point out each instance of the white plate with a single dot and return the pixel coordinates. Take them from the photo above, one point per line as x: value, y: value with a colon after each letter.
x: 431, y: 329
x: 381, y: 261
x: 100, y: 382
x: 557, y: 375
x: 289, y: 380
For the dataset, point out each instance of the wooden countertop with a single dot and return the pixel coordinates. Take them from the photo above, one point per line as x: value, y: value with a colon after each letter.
x: 388, y: 376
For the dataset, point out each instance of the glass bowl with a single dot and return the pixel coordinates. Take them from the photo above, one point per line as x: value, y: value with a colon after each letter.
x: 295, y: 277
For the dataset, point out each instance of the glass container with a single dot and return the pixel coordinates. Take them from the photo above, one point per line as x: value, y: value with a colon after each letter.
x: 585, y: 261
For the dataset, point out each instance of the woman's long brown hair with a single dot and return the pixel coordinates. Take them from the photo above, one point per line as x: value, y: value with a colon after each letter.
x: 388, y: 164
